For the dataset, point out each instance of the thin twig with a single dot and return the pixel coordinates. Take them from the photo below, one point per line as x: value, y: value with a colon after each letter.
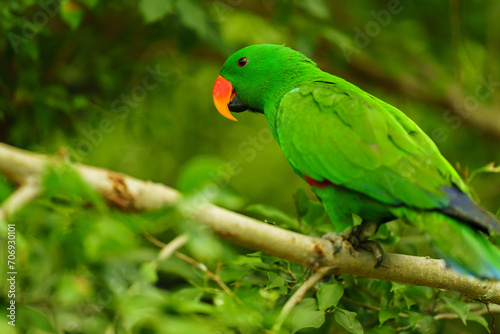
x: 172, y: 247
x: 177, y: 243
x: 298, y: 295
x: 405, y: 328
x: 154, y: 241
x: 492, y: 326
x: 207, y: 272
x: 218, y: 270
x: 371, y: 307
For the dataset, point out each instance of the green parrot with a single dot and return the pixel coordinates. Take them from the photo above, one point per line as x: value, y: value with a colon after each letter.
x: 359, y: 154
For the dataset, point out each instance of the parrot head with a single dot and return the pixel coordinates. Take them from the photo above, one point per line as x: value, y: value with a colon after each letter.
x: 258, y: 75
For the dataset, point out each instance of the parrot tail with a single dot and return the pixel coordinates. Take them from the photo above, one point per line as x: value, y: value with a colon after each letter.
x: 466, y: 250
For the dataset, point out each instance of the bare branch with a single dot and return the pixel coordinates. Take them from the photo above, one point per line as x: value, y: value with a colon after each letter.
x: 22, y: 196
x: 172, y: 247
x: 128, y: 193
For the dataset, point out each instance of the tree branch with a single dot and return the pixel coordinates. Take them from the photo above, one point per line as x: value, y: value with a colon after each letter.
x: 128, y: 193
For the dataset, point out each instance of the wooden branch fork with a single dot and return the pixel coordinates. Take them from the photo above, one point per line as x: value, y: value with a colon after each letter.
x: 130, y: 194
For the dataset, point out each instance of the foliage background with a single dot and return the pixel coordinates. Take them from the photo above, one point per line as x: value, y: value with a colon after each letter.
x: 77, y: 75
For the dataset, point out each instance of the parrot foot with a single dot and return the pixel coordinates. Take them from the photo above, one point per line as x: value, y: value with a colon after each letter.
x: 336, y: 239
x: 376, y: 250
x: 358, y: 237
x: 361, y: 233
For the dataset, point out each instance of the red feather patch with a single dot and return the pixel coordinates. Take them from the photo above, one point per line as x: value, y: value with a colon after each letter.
x: 319, y: 184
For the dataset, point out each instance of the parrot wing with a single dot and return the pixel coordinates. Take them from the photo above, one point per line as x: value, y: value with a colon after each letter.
x: 336, y: 132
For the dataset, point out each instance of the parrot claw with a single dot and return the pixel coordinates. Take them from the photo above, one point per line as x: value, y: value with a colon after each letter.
x: 358, y: 237
x: 379, y: 261
x: 376, y: 249
x: 336, y: 239
x: 337, y: 278
x: 337, y: 248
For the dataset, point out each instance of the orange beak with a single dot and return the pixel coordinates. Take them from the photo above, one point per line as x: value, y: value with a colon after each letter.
x: 223, y: 94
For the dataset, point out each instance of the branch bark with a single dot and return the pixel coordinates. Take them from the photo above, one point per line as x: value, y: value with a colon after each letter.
x: 131, y: 194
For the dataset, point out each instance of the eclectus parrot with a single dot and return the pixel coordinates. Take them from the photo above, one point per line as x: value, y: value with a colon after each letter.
x: 359, y: 154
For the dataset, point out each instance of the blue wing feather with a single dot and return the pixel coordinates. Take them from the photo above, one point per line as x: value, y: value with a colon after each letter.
x: 462, y: 207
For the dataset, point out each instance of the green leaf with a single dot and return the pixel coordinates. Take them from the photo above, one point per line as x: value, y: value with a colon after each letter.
x: 80, y: 101
x: 90, y: 3
x: 315, y: 213
x: 148, y: 272
x: 200, y: 171
x: 188, y: 300
x: 306, y: 314
x: 205, y: 247
x: 262, y: 30
x: 31, y: 49
x: 193, y: 16
x: 5, y: 189
x: 62, y: 181
x: 383, y: 329
x: 276, y: 281
x: 73, y: 290
x: 72, y: 14
x: 348, y: 320
x: 428, y: 325
x: 385, y: 236
x: 207, y: 179
x: 411, y: 294
x: 302, y: 202
x: 317, y: 8
x: 479, y: 319
x: 388, y: 313
x: 108, y: 239
x: 37, y: 319
x: 154, y: 10
x: 329, y: 295
x: 459, y: 307
x: 415, y: 318
x: 384, y: 290
x: 309, y: 211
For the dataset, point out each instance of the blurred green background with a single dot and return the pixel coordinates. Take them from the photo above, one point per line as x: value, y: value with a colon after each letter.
x: 85, y: 64
x: 126, y: 85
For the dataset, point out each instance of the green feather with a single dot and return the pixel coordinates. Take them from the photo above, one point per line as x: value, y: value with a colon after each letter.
x: 463, y: 248
x: 366, y: 150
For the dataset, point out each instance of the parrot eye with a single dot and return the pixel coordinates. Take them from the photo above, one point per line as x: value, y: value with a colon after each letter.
x: 242, y: 61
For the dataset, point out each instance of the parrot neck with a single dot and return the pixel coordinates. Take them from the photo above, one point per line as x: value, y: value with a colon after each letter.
x: 272, y: 103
